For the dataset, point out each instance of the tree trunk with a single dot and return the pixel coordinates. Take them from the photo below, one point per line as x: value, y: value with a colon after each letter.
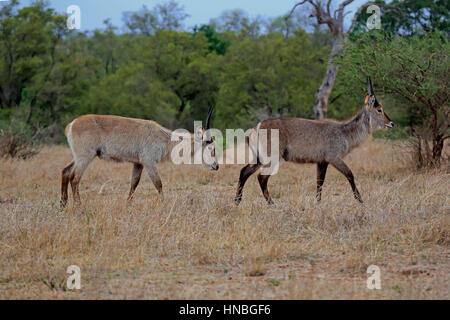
x: 181, y: 107
x: 321, y: 10
x: 438, y: 141
x: 438, y: 146
x: 323, y: 93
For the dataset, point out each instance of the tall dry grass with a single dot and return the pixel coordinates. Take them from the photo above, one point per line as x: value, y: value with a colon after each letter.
x: 196, y: 244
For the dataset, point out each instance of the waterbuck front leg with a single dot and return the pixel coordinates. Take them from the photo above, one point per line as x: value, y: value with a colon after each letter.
x: 246, y: 172
x: 135, y: 178
x: 263, y: 180
x: 345, y: 170
x: 321, y: 173
x: 154, y: 176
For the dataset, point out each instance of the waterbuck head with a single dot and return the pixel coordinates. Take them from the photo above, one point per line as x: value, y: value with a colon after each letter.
x: 204, y: 137
x: 378, y: 118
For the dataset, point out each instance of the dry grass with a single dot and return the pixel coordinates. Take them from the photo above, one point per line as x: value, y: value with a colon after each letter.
x: 196, y: 244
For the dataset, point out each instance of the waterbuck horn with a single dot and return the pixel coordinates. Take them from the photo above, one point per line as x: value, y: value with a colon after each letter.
x: 369, y: 87
x: 208, y: 118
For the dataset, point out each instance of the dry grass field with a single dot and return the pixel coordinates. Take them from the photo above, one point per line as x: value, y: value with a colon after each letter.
x: 197, y: 245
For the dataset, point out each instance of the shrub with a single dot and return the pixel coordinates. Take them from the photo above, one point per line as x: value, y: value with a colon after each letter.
x: 16, y: 145
x: 413, y: 73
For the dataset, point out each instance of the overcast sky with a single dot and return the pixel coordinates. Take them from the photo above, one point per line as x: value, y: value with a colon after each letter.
x: 94, y: 12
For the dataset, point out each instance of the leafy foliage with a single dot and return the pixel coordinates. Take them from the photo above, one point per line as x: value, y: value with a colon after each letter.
x: 413, y: 73
x: 249, y: 68
x: 408, y: 17
x: 164, y: 16
x: 216, y: 44
x: 269, y: 78
x: 156, y: 70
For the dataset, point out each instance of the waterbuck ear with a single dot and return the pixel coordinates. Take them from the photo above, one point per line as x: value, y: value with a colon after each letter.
x: 369, y: 87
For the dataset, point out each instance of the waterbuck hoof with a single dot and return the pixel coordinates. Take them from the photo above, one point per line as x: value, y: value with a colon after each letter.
x: 62, y: 204
x: 237, y: 201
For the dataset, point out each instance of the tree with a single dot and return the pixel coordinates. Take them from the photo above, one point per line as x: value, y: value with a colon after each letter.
x: 133, y: 92
x: 414, y: 71
x: 268, y: 77
x: 408, y: 17
x: 334, y: 19
x: 238, y: 21
x: 400, y: 15
x: 106, y: 46
x: 216, y: 44
x: 164, y: 16
x: 28, y: 44
x: 178, y: 65
x: 75, y: 72
x: 45, y: 70
x: 279, y: 24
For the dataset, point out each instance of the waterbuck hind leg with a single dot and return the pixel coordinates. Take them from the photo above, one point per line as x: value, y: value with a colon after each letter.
x: 75, y: 178
x: 345, y: 170
x: 246, y: 172
x: 321, y: 173
x: 263, y: 180
x: 65, y: 177
x: 156, y: 179
x: 135, y: 178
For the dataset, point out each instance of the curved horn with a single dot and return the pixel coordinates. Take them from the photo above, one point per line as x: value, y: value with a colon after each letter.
x: 369, y: 87
x: 208, y: 118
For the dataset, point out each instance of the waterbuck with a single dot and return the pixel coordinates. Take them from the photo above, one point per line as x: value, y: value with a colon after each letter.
x: 318, y: 141
x: 144, y: 143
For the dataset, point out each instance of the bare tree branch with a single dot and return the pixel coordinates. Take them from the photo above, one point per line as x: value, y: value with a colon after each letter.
x: 328, y: 7
x: 293, y: 9
x: 339, y: 13
x: 321, y: 10
x: 360, y: 10
x: 355, y: 17
x: 288, y: 16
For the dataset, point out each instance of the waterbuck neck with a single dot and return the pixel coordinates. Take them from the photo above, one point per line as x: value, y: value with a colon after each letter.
x: 357, y: 128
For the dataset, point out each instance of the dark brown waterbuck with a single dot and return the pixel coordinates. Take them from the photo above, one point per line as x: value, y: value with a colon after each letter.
x: 144, y: 143
x: 319, y: 141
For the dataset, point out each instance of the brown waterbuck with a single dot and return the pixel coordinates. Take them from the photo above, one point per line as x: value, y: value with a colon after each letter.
x: 319, y: 141
x: 144, y: 143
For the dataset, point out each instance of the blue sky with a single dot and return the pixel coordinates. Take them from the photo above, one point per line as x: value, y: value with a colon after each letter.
x: 94, y: 12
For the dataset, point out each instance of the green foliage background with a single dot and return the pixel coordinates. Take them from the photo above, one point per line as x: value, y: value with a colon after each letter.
x: 249, y: 69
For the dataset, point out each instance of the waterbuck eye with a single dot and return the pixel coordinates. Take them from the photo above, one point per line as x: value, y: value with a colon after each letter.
x: 379, y: 110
